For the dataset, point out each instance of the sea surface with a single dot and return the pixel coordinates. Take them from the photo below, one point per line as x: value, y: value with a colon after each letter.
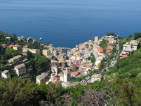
x: 66, y: 23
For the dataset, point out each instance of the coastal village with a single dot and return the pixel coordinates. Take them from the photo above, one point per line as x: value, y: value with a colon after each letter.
x: 68, y: 66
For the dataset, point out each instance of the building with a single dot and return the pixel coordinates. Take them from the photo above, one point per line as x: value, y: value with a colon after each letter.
x: 74, y: 74
x: 35, y: 51
x: 26, y: 46
x: 4, y: 45
x: 20, y: 69
x: 134, y: 44
x: 15, y: 59
x: 40, y: 79
x: 5, y: 74
x: 96, y: 77
x: 127, y: 44
x: 67, y: 75
x: 46, y: 52
x: 17, y: 47
x: 99, y: 49
x: 25, y: 51
x: 8, y: 38
x: 54, y: 70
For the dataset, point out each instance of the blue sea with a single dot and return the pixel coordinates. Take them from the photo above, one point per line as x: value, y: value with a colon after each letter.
x: 66, y: 23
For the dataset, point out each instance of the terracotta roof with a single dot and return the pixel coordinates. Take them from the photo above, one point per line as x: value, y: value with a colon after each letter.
x: 54, y: 82
x: 16, y: 45
x: 10, y: 46
x: 100, y: 49
x: 26, y: 46
x: 62, y: 61
x: 98, y: 65
x: 85, y: 65
x: 75, y: 73
x: 58, y: 78
x: 90, y: 67
x: 110, y: 47
x: 110, y: 43
x: 4, y: 44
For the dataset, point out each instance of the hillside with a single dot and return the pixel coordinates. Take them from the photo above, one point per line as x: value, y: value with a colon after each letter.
x: 121, y: 87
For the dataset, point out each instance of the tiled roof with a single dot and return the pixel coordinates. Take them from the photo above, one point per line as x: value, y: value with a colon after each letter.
x: 110, y: 43
x: 90, y: 67
x: 100, y: 49
x: 26, y: 46
x: 75, y: 73
x: 16, y: 45
x: 110, y: 47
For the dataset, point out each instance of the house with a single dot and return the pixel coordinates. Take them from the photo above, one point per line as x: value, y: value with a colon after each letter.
x: 50, y: 47
x: 40, y: 79
x: 126, y: 53
x: 5, y: 74
x: 15, y: 59
x: 128, y: 50
x: 96, y: 77
x: 10, y: 46
x: 35, y: 51
x: 25, y: 51
x: 8, y: 38
x: 21, y: 38
x: 54, y: 63
x: 30, y: 40
x: 4, y: 45
x: 45, y: 52
x: 26, y: 46
x: 75, y: 73
x: 99, y: 49
x: 17, y: 47
x: 20, y: 69
x: 134, y: 44
x: 127, y: 44
x: 54, y: 70
x: 110, y: 48
x: 78, y: 63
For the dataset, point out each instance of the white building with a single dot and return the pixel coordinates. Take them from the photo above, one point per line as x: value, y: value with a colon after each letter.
x: 5, y: 74
x: 67, y: 75
x: 40, y: 79
x: 20, y: 69
x: 96, y: 77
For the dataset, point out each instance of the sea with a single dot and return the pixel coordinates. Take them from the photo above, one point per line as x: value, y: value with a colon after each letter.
x: 67, y: 23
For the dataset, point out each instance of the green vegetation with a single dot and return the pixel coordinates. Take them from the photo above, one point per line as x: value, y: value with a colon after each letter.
x: 14, y: 40
x: 104, y: 44
x: 110, y: 33
x: 121, y: 87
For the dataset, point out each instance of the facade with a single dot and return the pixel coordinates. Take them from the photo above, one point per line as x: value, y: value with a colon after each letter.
x: 35, y: 51
x: 25, y: 51
x: 40, y: 79
x: 5, y: 74
x: 54, y: 70
x: 4, y: 45
x: 15, y: 59
x: 96, y: 77
x: 67, y: 75
x: 20, y: 69
x: 45, y: 52
x: 17, y: 47
x: 134, y: 44
x: 99, y: 49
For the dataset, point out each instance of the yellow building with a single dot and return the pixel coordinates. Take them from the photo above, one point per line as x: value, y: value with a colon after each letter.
x: 17, y: 47
x: 45, y: 52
